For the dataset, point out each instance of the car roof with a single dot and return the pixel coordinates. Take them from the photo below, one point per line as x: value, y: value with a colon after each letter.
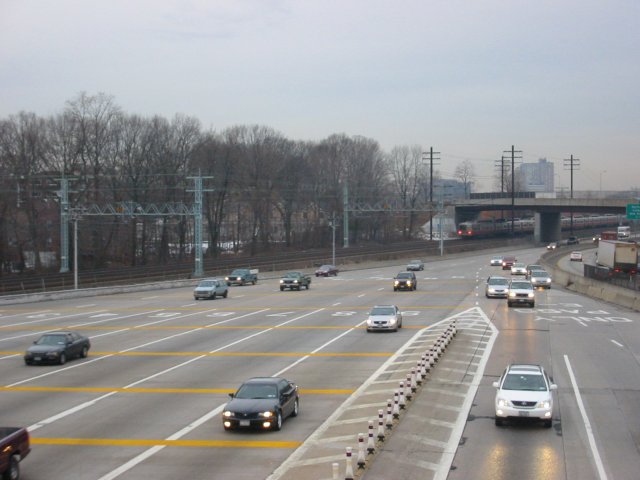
x: 525, y: 368
x: 263, y: 380
x: 58, y: 332
x: 498, y: 277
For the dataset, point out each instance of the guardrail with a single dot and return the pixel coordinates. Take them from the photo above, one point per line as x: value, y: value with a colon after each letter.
x: 604, y: 274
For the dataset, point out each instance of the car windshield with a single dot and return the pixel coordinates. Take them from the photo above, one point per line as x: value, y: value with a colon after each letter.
x: 404, y: 275
x: 539, y: 273
x: 415, y: 261
x: 518, y: 381
x: 207, y: 283
x: 238, y: 272
x: 325, y: 267
x: 521, y: 285
x: 253, y: 390
x: 383, y: 311
x: 518, y: 265
x: 498, y: 281
x: 292, y: 274
x: 51, y: 340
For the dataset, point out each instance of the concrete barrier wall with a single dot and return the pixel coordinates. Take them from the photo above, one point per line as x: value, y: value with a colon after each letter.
x: 592, y: 287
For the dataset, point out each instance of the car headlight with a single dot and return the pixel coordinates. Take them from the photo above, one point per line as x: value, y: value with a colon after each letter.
x: 544, y: 404
x: 548, y: 280
x: 52, y: 354
x: 281, y: 281
x: 226, y: 278
x: 267, y: 414
x: 393, y: 320
x: 295, y: 281
x: 503, y: 402
x: 227, y: 413
x: 408, y: 282
x: 512, y: 294
x: 530, y: 294
x: 396, y: 282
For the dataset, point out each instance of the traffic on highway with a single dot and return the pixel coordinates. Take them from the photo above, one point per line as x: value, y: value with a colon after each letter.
x: 151, y: 398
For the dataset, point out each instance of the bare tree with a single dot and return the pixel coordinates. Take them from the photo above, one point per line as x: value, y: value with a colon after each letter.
x: 408, y: 176
x: 465, y: 172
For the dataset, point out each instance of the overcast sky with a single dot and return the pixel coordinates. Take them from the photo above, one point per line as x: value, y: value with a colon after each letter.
x: 469, y: 78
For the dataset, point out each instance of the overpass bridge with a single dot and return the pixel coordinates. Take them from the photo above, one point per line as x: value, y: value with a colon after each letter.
x: 546, y: 211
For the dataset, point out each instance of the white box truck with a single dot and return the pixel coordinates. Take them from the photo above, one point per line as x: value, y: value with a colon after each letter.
x: 618, y: 256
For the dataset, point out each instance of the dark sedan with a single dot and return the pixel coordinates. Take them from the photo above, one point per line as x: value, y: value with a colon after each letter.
x: 327, y: 270
x: 261, y: 402
x: 57, y: 347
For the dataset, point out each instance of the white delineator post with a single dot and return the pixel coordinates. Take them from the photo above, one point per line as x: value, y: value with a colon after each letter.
x: 361, y: 456
x: 381, y: 425
x: 349, y: 470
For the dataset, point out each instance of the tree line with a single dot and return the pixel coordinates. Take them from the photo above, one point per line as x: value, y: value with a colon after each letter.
x: 264, y: 191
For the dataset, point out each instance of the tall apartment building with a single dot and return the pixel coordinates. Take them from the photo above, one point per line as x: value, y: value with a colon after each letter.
x: 536, y: 177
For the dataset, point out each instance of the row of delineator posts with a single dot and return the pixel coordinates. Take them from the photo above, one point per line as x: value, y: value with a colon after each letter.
x: 402, y: 397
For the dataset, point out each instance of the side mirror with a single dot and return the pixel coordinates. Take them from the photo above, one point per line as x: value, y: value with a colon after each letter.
x: 232, y: 395
x: 553, y: 386
x: 496, y: 384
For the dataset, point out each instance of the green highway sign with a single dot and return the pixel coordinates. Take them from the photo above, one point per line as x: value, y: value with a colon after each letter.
x: 633, y: 211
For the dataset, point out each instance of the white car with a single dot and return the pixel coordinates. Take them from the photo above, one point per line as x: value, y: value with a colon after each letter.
x: 496, y: 261
x: 524, y: 391
x: 384, y: 317
x: 521, y: 292
x: 575, y: 256
x: 496, y: 287
x: 518, y: 269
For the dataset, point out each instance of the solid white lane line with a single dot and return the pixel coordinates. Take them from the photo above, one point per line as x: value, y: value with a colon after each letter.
x: 617, y: 343
x: 587, y: 424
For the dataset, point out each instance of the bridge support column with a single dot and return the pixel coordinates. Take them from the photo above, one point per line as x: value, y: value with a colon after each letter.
x: 547, y: 227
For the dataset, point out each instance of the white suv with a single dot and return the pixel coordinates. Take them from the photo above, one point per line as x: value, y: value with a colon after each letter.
x: 524, y: 391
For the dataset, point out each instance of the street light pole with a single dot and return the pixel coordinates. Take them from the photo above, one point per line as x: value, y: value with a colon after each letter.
x: 333, y: 241
x: 75, y: 252
x: 601, y: 172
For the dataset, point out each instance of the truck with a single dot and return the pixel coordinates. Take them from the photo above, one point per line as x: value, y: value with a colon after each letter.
x: 624, y: 232
x: 242, y: 276
x: 14, y: 447
x: 295, y: 281
x: 618, y: 256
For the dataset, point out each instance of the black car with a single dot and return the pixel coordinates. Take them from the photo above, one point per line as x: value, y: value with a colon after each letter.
x: 405, y: 281
x: 57, y: 347
x: 327, y: 270
x: 573, y: 241
x: 261, y: 402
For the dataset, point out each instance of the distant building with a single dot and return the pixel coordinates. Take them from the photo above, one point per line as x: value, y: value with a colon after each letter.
x: 536, y: 177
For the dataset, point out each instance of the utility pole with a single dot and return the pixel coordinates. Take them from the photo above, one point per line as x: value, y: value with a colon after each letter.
x: 513, y: 153
x: 197, y: 217
x: 432, y: 157
x: 345, y: 219
x: 500, y: 164
x: 571, y: 164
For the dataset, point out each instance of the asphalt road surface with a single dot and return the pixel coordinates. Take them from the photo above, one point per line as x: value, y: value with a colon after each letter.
x: 146, y: 403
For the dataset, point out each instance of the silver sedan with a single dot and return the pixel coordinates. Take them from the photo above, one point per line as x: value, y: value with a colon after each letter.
x: 384, y: 317
x: 540, y: 278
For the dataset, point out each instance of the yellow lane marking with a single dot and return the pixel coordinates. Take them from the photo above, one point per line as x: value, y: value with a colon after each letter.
x: 117, y: 442
x: 231, y: 354
x: 159, y: 390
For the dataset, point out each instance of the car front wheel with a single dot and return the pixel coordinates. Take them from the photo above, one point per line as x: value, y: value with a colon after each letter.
x: 277, y: 425
x: 225, y: 294
x: 63, y: 359
x: 84, y: 352
x: 13, y: 470
x: 296, y: 408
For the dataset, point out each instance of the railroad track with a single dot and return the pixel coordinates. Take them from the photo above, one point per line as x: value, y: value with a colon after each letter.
x: 15, y: 283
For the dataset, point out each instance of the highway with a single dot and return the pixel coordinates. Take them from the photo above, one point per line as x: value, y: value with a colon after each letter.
x: 147, y: 400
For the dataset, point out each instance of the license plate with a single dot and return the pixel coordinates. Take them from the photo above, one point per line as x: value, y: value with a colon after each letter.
x: 523, y: 414
x: 37, y: 359
x: 245, y: 423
